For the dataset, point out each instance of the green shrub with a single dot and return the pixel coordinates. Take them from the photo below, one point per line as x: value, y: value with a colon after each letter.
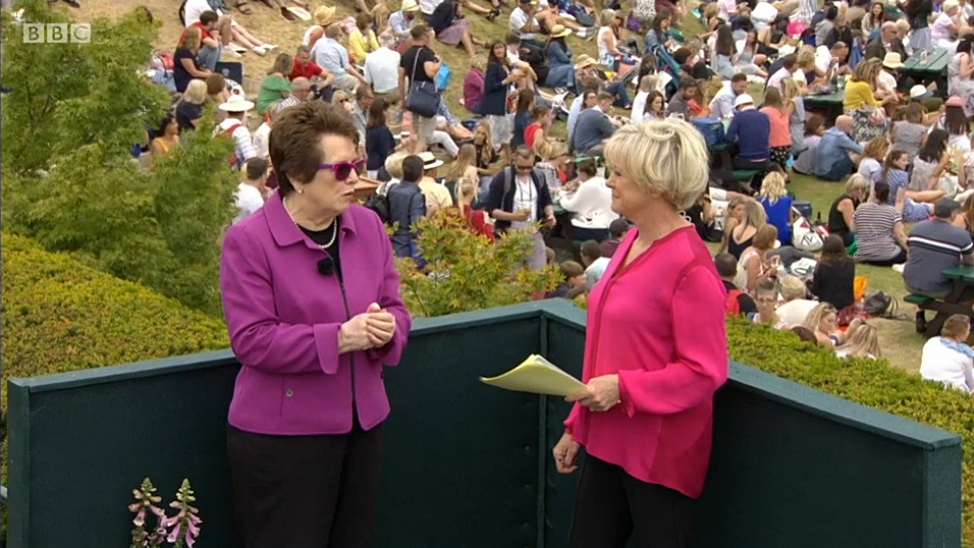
x: 59, y: 315
x: 469, y: 273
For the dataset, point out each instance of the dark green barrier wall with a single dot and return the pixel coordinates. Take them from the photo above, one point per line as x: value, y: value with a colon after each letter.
x: 464, y: 463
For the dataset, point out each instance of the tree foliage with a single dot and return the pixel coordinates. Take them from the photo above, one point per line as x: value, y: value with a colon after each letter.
x: 466, y: 272
x: 70, y: 181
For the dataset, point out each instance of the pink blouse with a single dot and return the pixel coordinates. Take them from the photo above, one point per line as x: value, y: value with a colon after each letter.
x: 659, y: 324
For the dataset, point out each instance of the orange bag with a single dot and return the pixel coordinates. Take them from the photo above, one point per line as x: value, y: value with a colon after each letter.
x: 859, y: 287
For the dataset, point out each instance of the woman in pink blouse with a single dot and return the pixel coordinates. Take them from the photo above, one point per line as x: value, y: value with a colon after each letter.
x: 655, y: 353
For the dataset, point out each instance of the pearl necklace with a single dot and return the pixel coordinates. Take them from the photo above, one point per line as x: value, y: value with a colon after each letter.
x: 333, y: 226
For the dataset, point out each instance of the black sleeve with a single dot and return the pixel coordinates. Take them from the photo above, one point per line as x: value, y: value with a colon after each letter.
x: 746, y: 304
x: 817, y: 281
x: 495, y: 193
x: 442, y: 17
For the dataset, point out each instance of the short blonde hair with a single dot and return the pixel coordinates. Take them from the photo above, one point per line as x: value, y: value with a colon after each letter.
x: 195, y: 92
x: 955, y: 326
x: 792, y: 287
x: 607, y: 17
x: 393, y: 164
x: 667, y: 156
x: 814, y: 319
x: 773, y: 187
x: 856, y: 182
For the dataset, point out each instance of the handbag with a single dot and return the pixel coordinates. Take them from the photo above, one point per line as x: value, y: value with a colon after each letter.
x: 424, y: 97
x: 443, y: 76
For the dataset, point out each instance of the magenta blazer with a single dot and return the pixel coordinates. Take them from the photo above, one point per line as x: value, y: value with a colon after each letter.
x: 283, y: 317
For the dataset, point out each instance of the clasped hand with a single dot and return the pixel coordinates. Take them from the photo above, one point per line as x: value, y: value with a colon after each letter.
x: 600, y: 394
x: 370, y: 329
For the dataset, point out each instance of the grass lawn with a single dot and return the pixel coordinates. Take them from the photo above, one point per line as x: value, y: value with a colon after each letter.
x: 899, y: 341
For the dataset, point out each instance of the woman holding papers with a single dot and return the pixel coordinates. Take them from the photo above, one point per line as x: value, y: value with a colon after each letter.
x: 655, y: 353
x: 311, y: 298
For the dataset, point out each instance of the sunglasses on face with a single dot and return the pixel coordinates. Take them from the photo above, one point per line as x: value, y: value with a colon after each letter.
x: 523, y: 168
x: 343, y: 170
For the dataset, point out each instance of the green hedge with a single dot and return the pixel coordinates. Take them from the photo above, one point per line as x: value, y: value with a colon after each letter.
x: 60, y: 315
x: 869, y: 382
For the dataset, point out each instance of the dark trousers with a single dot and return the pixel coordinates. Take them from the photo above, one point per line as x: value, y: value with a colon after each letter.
x: 306, y: 491
x: 597, y: 234
x: 612, y: 506
x: 900, y: 258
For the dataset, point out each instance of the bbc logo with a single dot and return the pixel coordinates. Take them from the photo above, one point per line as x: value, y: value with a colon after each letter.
x: 57, y: 33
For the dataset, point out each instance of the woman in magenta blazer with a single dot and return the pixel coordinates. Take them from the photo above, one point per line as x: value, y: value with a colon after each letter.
x: 311, y: 298
x: 655, y: 352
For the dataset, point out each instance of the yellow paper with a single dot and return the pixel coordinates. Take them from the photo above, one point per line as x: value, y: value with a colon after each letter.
x: 538, y: 376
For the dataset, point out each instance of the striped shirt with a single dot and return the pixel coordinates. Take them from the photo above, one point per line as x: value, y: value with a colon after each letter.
x: 290, y: 101
x: 934, y: 246
x: 874, y: 227
x: 243, y: 143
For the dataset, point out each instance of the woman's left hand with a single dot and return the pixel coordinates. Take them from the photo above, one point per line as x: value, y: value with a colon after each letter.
x: 381, y: 325
x: 601, y: 394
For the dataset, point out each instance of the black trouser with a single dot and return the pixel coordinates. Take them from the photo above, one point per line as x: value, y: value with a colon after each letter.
x: 900, y: 258
x: 306, y: 491
x: 612, y: 506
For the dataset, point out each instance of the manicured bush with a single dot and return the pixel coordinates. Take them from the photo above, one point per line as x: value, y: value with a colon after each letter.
x: 59, y: 315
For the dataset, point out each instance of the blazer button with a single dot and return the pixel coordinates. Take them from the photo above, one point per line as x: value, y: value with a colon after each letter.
x: 289, y: 393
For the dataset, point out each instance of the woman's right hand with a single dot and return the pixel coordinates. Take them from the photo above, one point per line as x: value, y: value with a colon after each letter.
x: 566, y: 453
x: 353, y: 335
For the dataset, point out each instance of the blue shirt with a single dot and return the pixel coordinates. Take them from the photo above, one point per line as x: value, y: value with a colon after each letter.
x: 331, y: 56
x: 752, y: 130
x: 779, y: 216
x: 834, y: 145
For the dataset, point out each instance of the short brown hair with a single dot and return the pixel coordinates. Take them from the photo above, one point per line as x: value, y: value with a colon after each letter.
x: 764, y: 238
x: 570, y: 269
x: 418, y: 31
x: 605, y: 96
x: 294, y: 129
x: 215, y: 83
x: 955, y: 325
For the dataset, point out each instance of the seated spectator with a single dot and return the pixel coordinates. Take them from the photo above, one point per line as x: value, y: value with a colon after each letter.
x: 590, y: 202
x: 805, y: 159
x: 679, y: 104
x: 189, y: 109
x: 210, y: 44
x: 879, y: 230
x: 835, y: 274
x: 229, y: 29
x: 733, y: 217
x: 362, y: 40
x: 595, y: 264
x: 573, y: 275
x: 862, y: 343
x: 754, y: 265
x: 186, y: 61
x: 262, y: 136
x: 906, y: 201
x: 401, y: 23
x: 167, y: 138
x: 739, y: 303
x: 908, y: 133
x: 834, y: 158
x: 956, y: 123
x: 722, y: 105
x: 617, y: 231
x: 823, y: 321
x: 742, y: 235
x: 553, y: 155
x: 594, y: 127
x: 561, y: 71
x: 252, y: 192
x: 931, y: 162
x: 522, y: 115
x: 217, y: 91
x: 841, y: 221
x: 330, y: 55
x: 782, y: 69
x: 796, y: 306
x: 379, y: 142
x: 438, y: 197
x: 777, y: 205
x: 934, y: 246
x: 873, y: 156
x: 300, y: 92
x: 536, y: 132
x: 406, y: 206
x: 477, y: 219
x: 751, y: 130
x: 235, y: 127
x: 473, y: 84
x: 947, y: 358
x: 451, y: 28
x: 658, y: 35
x: 275, y: 87
x: 765, y: 298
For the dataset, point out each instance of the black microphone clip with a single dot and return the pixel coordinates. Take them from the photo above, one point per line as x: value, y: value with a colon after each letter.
x: 326, y: 266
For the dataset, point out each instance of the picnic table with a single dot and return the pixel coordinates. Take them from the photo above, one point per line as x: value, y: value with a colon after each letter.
x: 963, y: 277
x: 829, y: 104
x: 929, y: 66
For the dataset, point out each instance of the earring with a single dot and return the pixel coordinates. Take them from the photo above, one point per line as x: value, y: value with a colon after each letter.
x: 300, y: 191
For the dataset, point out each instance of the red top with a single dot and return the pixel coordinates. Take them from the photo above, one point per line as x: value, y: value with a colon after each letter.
x: 477, y: 221
x: 308, y: 71
x: 659, y: 324
x: 204, y: 34
x: 530, y: 132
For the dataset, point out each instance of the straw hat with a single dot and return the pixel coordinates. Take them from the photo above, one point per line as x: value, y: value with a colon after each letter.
x: 919, y: 92
x: 584, y: 60
x: 560, y: 31
x: 892, y: 60
x: 236, y: 103
x: 430, y: 161
x: 410, y: 5
x: 325, y: 15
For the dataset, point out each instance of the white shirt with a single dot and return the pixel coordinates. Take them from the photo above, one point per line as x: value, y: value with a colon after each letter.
x: 722, y: 105
x: 940, y: 29
x: 794, y: 312
x: 941, y: 363
x: 262, y: 139
x: 193, y: 10
x: 525, y: 197
x: 638, y: 106
x: 595, y: 271
x: 427, y: 6
x: 886, y: 81
x: 519, y: 18
x: 869, y: 167
x: 248, y: 201
x: 776, y: 78
x: 382, y: 70
x: 591, y: 205
x: 823, y: 58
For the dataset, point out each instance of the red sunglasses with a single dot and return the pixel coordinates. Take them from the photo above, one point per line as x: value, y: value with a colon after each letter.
x: 343, y: 170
